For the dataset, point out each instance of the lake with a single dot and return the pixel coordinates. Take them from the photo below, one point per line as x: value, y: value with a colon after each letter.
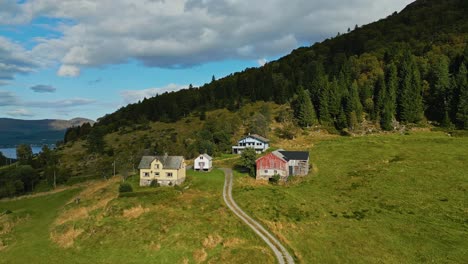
x: 11, y: 152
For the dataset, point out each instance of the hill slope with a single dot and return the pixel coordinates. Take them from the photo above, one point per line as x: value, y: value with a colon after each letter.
x: 406, y: 67
x: 47, y: 131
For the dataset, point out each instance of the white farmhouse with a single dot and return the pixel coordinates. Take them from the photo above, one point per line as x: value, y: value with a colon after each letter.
x: 259, y: 143
x: 203, y: 162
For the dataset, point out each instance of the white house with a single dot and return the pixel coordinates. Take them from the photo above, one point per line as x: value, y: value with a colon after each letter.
x: 203, y: 162
x: 259, y: 143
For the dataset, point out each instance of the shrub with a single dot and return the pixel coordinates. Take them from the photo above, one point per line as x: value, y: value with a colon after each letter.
x: 125, y: 187
x: 275, y: 179
x: 154, y: 183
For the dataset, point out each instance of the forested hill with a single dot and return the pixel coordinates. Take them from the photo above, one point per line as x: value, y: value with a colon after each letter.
x: 408, y: 67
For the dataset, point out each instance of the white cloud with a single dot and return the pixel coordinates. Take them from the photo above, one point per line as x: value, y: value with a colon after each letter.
x: 14, y: 60
x: 63, y: 103
x: 133, y: 96
x: 262, y: 61
x: 182, y: 33
x: 68, y: 71
x: 21, y: 112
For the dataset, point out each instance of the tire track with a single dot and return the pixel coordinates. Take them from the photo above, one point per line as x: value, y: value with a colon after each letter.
x: 282, y: 255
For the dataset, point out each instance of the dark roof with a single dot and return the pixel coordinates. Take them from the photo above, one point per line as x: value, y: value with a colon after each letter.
x: 168, y: 162
x: 294, y: 155
x: 208, y: 157
x: 266, y: 140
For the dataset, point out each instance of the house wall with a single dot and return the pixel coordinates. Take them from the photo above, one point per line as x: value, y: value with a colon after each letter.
x: 207, y: 166
x: 300, y: 167
x: 269, y: 165
x: 178, y: 176
x: 250, y: 142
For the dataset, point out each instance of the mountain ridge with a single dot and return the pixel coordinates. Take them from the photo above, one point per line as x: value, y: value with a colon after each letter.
x: 36, y: 132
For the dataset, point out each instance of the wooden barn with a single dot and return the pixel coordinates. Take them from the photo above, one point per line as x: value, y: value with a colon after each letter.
x: 283, y: 163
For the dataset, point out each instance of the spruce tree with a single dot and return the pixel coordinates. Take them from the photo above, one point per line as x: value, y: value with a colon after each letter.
x: 305, y: 110
x: 391, y: 82
x: 441, y: 92
x: 410, y: 95
x: 353, y: 107
x: 324, y: 112
x: 462, y: 84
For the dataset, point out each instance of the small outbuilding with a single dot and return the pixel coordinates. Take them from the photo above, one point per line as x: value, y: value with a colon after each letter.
x: 203, y: 163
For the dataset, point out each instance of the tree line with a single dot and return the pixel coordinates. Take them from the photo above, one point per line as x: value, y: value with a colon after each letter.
x: 29, y: 170
x: 408, y: 68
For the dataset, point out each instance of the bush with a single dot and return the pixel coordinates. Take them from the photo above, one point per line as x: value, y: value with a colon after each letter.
x: 275, y: 179
x: 154, y: 183
x: 125, y: 187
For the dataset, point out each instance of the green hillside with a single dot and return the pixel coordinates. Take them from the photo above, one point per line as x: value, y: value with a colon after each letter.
x: 409, y: 67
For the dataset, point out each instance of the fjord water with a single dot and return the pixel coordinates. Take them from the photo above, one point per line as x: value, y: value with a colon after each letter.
x: 11, y: 152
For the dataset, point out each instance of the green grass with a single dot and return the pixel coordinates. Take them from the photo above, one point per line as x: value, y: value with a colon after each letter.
x: 373, y: 199
x: 173, y: 228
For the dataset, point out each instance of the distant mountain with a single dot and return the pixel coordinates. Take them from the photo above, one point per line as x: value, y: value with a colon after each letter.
x: 35, y: 132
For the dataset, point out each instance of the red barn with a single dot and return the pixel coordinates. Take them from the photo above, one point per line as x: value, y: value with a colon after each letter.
x: 283, y: 163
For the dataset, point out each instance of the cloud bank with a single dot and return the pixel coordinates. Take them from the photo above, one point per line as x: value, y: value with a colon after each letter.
x: 133, y: 96
x: 176, y: 33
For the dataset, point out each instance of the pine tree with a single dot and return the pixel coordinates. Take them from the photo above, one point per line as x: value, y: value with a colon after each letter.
x: 410, y: 95
x: 391, y: 78
x: 323, y: 105
x: 441, y: 92
x: 353, y: 107
x: 462, y: 84
x: 381, y: 97
x: 305, y: 109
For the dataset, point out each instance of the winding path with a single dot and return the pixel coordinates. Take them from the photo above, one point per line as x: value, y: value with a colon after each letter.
x: 282, y: 255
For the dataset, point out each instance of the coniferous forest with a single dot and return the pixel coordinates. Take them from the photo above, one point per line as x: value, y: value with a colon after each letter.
x: 408, y: 68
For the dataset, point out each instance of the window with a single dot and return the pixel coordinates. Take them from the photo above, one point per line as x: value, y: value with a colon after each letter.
x: 156, y: 166
x: 266, y: 171
x: 201, y: 157
x: 169, y: 174
x: 276, y: 172
x: 156, y: 174
x: 259, y: 144
x: 146, y: 174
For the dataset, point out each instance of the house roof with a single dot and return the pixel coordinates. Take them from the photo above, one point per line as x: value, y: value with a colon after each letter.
x: 257, y: 137
x: 168, y: 162
x: 206, y: 156
x: 294, y: 155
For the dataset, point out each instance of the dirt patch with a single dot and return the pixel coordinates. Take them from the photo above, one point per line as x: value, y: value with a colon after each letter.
x: 154, y: 247
x: 134, y: 212
x: 67, y: 238
x: 2, y: 246
x: 232, y: 242
x: 96, y: 195
x: 185, y: 260
x: 212, y: 241
x: 72, y: 215
x: 200, y: 255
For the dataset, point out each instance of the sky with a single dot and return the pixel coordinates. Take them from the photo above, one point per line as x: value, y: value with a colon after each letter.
x: 61, y: 59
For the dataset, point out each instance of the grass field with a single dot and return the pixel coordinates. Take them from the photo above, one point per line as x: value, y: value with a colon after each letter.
x: 167, y: 225
x: 372, y: 199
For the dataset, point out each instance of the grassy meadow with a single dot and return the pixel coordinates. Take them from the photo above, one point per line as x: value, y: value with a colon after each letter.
x: 189, y: 224
x: 373, y: 199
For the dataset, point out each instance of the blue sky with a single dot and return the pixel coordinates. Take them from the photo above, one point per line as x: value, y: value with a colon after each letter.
x: 66, y: 59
